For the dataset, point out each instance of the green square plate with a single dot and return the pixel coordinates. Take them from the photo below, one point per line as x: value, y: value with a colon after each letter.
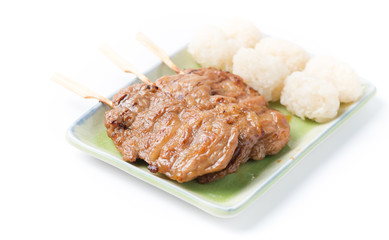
x: 233, y: 193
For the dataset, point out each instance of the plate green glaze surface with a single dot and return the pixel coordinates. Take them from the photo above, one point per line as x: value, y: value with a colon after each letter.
x: 233, y: 193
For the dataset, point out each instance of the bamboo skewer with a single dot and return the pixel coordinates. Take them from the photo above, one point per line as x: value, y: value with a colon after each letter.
x: 157, y: 51
x: 123, y: 64
x: 79, y: 89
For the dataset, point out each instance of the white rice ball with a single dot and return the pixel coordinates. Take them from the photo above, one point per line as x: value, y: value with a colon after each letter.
x: 241, y: 30
x: 291, y: 54
x: 264, y: 73
x: 308, y: 97
x: 341, y: 75
x: 216, y: 46
x: 210, y: 47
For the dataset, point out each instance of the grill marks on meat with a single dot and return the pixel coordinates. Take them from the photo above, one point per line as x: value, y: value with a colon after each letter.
x: 201, y: 124
x: 207, y: 88
x: 276, y: 134
x: 179, y: 140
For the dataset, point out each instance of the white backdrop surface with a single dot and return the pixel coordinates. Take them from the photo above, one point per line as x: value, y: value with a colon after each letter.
x: 50, y: 190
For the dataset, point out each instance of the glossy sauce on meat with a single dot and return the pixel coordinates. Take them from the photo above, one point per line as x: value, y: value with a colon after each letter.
x: 177, y: 139
x: 201, y: 124
x: 208, y: 88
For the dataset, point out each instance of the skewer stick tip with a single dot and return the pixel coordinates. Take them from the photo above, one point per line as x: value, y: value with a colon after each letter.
x: 123, y: 64
x: 79, y: 89
x: 158, y: 51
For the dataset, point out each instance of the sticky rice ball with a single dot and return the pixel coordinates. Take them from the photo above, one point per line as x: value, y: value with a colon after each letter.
x: 264, y: 73
x: 342, y: 76
x: 216, y: 46
x: 291, y: 54
x: 308, y: 97
x: 210, y: 47
x: 242, y: 30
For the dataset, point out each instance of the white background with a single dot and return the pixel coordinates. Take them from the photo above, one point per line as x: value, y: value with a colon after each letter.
x: 50, y: 190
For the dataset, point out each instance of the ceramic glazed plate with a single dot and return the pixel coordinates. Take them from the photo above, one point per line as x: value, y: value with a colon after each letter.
x: 233, y: 193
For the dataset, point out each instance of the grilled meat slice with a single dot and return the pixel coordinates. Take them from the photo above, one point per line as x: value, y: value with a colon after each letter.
x: 176, y: 139
x: 208, y: 88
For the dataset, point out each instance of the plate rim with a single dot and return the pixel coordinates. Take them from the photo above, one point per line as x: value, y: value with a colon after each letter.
x: 221, y: 210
